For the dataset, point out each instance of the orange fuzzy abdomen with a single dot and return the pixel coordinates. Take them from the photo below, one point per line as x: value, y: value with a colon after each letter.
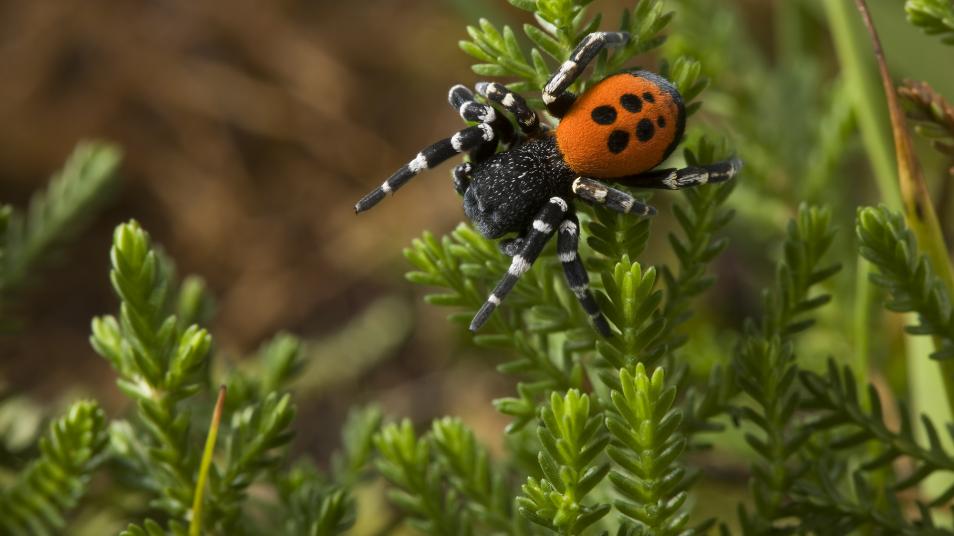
x: 626, y: 124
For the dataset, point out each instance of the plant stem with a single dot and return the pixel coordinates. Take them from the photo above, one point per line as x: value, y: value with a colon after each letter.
x: 862, y: 322
x: 195, y: 525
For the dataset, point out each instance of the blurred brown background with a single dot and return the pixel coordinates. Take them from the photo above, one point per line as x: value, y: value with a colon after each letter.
x: 249, y: 130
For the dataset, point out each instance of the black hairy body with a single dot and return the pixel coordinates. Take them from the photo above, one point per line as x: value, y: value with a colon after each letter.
x: 508, y: 189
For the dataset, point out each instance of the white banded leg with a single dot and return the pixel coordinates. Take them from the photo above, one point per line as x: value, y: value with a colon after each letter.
x: 674, y: 179
x: 527, y: 119
x: 617, y: 200
x: 540, y: 232
x: 555, y: 94
x: 462, y: 100
x: 461, y: 176
x: 464, y: 140
x: 568, y: 241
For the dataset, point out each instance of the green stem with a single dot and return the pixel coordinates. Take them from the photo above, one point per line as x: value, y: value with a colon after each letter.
x: 861, y: 323
x: 195, y: 526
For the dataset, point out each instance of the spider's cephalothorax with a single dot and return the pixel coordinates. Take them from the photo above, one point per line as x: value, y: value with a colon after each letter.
x: 618, y: 130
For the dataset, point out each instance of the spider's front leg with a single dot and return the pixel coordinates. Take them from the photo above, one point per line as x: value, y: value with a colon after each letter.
x: 536, y: 238
x: 527, y: 119
x: 480, y: 140
x: 555, y: 94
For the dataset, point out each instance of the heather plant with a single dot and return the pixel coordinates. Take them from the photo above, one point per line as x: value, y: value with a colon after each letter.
x: 612, y: 435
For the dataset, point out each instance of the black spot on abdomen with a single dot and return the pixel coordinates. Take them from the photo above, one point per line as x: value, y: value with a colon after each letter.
x: 604, y: 115
x: 661, y: 121
x: 648, y: 97
x: 618, y: 141
x: 631, y: 103
x: 645, y: 130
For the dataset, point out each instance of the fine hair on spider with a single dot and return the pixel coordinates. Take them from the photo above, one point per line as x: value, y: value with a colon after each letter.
x: 618, y: 130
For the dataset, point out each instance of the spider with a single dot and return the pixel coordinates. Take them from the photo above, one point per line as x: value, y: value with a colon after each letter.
x: 618, y: 130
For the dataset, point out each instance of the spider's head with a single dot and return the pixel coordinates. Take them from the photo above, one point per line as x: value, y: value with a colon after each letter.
x: 628, y: 123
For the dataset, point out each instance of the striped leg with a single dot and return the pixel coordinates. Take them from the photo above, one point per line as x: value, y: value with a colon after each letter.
x: 461, y: 176
x: 555, y: 94
x: 618, y: 200
x: 462, y: 100
x: 512, y: 102
x: 568, y: 241
x: 464, y: 140
x: 674, y: 179
x: 543, y: 227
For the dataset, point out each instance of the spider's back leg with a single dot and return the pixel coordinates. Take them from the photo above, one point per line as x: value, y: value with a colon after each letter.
x: 536, y: 238
x: 596, y: 192
x: 568, y: 239
x: 675, y: 179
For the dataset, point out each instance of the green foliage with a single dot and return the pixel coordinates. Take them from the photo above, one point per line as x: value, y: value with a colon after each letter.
x: 835, y: 394
x: 258, y: 433
x: 646, y: 446
x: 163, y: 362
x: 54, y: 215
x: 935, y: 17
x: 767, y: 368
x: 313, y: 506
x: 446, y: 480
x: 38, y: 501
x: 470, y: 473
x: 560, y: 26
x: 906, y: 276
x: 160, y: 364
x: 316, y: 506
x: 405, y: 460
x: 699, y: 219
x: 572, y: 436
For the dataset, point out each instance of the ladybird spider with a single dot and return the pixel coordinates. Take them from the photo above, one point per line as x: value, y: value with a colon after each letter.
x: 618, y: 130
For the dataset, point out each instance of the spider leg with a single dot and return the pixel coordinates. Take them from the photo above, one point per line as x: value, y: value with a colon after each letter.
x: 462, y: 100
x: 674, y: 179
x: 617, y: 200
x: 555, y: 94
x: 431, y: 156
x: 511, y: 246
x: 568, y: 240
x: 461, y: 176
x: 543, y: 227
x: 511, y: 101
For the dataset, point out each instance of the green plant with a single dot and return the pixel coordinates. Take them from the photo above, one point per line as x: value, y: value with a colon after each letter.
x: 54, y: 215
x: 935, y: 17
x: 51, y: 485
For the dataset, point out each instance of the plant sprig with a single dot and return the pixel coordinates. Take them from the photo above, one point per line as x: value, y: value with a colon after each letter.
x: 935, y: 17
x: 44, y: 492
x: 907, y: 276
x: 573, y: 437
